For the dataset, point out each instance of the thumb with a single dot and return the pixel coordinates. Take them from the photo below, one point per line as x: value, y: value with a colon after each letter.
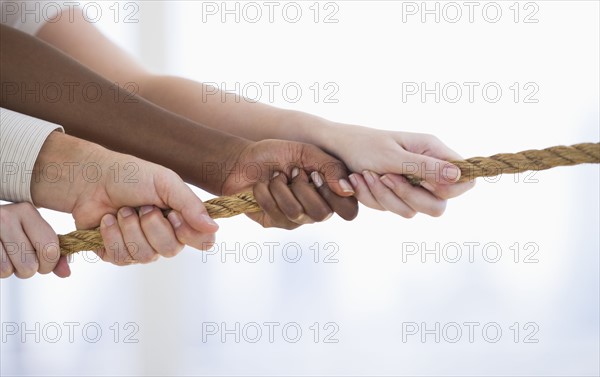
x: 429, y: 169
x: 62, y: 269
x: 179, y: 197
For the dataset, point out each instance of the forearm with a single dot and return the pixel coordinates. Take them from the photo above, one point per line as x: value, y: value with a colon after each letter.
x: 230, y: 112
x: 91, y: 107
x: 199, y: 102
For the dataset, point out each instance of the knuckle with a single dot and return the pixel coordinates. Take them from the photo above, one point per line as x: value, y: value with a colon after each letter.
x: 6, y: 269
x: 147, y: 256
x: 104, y: 255
x: 5, y: 216
x: 170, y: 174
x: 438, y: 210
x: 26, y: 270
x: 304, y: 219
x: 321, y: 214
x: 109, y: 257
x: 431, y: 139
x: 293, y: 211
x: 120, y: 262
x: 118, y: 257
x: 288, y: 226
x: 170, y: 251
x: 26, y: 208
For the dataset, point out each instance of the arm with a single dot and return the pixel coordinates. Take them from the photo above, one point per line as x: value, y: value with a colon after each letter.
x: 194, y: 100
x: 82, y: 178
x: 91, y: 107
x: 51, y: 169
x: 377, y: 182
x: 27, y: 243
x: 213, y: 160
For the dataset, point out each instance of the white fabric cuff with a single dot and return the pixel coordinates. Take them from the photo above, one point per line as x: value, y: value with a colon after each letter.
x: 21, y: 138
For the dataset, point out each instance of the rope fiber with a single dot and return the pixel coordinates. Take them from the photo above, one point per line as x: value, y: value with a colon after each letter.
x: 471, y: 168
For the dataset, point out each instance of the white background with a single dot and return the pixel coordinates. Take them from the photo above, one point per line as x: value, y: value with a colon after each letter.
x: 374, y: 288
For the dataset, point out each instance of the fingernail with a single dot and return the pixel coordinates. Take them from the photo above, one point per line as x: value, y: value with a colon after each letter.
x: 174, y: 219
x: 369, y: 177
x: 126, y: 211
x: 145, y: 209
x: 346, y: 186
x: 108, y: 220
x: 295, y: 172
x: 427, y: 186
x: 316, y: 178
x: 451, y: 173
x: 387, y: 181
x: 208, y: 220
x: 275, y: 174
x: 353, y: 180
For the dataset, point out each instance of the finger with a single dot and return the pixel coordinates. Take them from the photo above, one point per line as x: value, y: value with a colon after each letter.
x: 23, y: 256
x: 178, y: 196
x: 62, y: 269
x: 314, y: 205
x: 6, y: 267
x: 189, y: 236
x: 415, y: 197
x: 434, y: 147
x: 332, y: 170
x: 114, y: 251
x: 448, y: 191
x: 363, y: 194
x: 386, y: 197
x: 43, y: 239
x: 159, y: 232
x: 271, y: 215
x: 429, y: 169
x: 286, y: 201
x: 17, y: 246
x: 133, y: 236
x: 345, y: 207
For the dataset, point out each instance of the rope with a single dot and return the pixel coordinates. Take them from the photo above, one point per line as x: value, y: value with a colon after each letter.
x: 471, y: 168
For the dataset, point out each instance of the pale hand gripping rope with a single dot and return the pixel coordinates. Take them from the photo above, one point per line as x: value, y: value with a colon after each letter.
x: 471, y: 168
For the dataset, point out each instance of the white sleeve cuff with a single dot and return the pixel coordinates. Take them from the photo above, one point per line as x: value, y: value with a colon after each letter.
x: 21, y: 138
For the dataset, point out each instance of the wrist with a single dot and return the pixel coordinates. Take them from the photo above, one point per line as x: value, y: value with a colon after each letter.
x: 310, y: 129
x: 58, y: 178
x: 216, y: 167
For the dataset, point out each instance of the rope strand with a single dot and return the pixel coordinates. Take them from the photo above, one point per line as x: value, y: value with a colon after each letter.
x: 471, y: 168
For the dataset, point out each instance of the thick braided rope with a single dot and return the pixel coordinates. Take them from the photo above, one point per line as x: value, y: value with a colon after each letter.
x: 471, y: 168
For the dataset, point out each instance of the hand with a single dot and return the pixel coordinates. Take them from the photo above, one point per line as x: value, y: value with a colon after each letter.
x: 28, y: 244
x: 99, y: 186
x: 279, y: 173
x: 380, y: 159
